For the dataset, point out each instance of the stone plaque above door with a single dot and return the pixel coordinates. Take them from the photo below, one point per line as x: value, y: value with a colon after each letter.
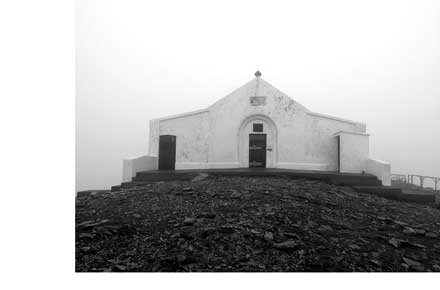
x: 258, y: 101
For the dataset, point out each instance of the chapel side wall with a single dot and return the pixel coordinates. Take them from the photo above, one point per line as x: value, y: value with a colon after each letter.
x: 320, y: 146
x: 192, y: 139
x: 153, y: 143
x: 222, y: 148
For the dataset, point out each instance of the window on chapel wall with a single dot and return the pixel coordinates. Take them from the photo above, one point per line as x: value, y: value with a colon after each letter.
x: 258, y: 127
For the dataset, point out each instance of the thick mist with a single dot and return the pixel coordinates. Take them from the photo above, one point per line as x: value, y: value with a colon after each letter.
x: 376, y: 62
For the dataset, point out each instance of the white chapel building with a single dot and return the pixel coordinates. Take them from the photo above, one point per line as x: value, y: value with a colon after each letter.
x: 257, y: 125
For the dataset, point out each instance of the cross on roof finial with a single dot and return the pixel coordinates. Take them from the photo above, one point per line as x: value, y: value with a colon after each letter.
x: 258, y: 74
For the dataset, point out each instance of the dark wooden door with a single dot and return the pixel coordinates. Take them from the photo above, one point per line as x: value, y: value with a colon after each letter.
x: 257, y: 150
x: 167, y: 152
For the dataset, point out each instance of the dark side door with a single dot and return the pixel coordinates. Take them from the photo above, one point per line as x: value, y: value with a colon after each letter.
x: 167, y: 152
x: 257, y: 150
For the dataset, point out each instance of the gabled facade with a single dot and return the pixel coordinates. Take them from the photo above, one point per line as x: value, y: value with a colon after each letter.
x: 257, y: 125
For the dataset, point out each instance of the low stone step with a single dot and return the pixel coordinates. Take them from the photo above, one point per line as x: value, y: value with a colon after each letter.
x: 115, y: 188
x: 356, y: 181
x: 345, y: 179
x: 144, y: 176
x: 132, y: 184
x: 378, y: 189
x: 395, y: 193
x: 331, y: 177
x: 127, y: 185
x: 88, y: 192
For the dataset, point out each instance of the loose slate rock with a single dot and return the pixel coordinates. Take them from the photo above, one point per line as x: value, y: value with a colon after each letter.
x: 181, y: 258
x: 410, y: 262
x: 189, y: 221
x: 288, y: 245
x: 325, y: 228
x: 417, y: 266
x: 120, y: 268
x: 420, y: 232
x: 397, y: 243
x: 291, y: 235
x: 86, y: 236
x: 207, y: 215
x: 409, y: 231
x: 199, y: 177
x: 268, y: 236
x: 408, y: 244
x: 235, y: 195
x: 354, y: 247
x: 201, y: 233
x: 431, y: 235
x: 208, y: 231
x: 394, y: 242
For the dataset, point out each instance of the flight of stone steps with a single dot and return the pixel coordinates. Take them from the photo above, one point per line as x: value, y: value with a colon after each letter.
x: 366, y: 183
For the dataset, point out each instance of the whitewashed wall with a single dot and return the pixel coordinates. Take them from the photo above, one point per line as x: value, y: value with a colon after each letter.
x: 218, y: 137
x: 130, y: 166
x: 192, y: 138
x: 354, y: 151
x: 381, y: 169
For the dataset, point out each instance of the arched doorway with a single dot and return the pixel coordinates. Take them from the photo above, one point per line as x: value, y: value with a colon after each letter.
x: 257, y: 142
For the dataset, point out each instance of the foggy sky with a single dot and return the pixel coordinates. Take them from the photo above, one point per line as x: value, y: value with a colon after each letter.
x: 376, y: 62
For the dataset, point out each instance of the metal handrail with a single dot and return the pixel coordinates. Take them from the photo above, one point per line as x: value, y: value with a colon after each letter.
x: 410, y: 179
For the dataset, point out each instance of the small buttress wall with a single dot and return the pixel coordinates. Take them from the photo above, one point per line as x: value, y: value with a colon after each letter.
x: 354, y: 152
x: 320, y: 144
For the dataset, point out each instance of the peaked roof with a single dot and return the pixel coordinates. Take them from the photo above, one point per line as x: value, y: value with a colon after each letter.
x: 255, y: 87
x: 258, y: 87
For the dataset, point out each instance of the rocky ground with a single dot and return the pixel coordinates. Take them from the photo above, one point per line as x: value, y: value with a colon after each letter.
x: 253, y: 224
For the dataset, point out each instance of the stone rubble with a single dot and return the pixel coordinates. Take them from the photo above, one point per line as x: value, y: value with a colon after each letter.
x: 248, y: 224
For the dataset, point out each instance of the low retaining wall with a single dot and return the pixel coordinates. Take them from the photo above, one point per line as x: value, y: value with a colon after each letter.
x: 395, y: 193
x: 131, y: 166
x: 381, y: 169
